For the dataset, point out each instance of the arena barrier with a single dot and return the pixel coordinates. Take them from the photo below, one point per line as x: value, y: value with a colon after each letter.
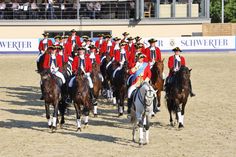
x: 187, y: 44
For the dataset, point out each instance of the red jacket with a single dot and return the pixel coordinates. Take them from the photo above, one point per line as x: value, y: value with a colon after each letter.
x: 97, y: 44
x: 171, y: 61
x: 97, y: 59
x: 76, y: 61
x: 77, y: 39
x: 68, y: 48
x: 104, y: 49
x: 47, y: 61
x: 148, y: 54
x: 41, y: 46
x: 146, y: 73
x: 130, y: 49
x: 64, y: 58
x: 118, y: 56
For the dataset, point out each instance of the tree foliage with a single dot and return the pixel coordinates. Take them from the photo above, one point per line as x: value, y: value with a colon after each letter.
x: 229, y: 11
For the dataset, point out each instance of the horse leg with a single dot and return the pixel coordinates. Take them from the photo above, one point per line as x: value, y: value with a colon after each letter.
x: 182, y: 114
x: 95, y: 109
x: 62, y: 108
x: 77, y: 110
x: 55, y: 116
x: 180, y: 118
x: 146, y: 125
x: 170, y: 111
x: 48, y: 115
x: 159, y: 101
x: 86, y: 113
x: 121, y: 104
x: 141, y: 135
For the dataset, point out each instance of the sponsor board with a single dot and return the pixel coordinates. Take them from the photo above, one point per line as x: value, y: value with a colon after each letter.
x: 187, y: 44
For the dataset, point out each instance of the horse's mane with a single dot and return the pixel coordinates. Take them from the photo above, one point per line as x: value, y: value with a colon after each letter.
x: 155, y: 72
x: 179, y: 79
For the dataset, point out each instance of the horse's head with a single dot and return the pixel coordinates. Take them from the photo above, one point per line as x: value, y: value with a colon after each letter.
x: 184, y: 73
x: 159, y: 65
x: 108, y: 58
x: 150, y: 94
x: 45, y: 75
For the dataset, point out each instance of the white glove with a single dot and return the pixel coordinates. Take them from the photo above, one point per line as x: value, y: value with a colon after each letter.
x: 147, y: 79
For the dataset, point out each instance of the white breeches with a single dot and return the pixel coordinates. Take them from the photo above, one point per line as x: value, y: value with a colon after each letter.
x: 101, y: 77
x: 87, y: 76
x: 38, y: 57
x: 117, y: 69
x: 130, y: 90
x: 60, y: 75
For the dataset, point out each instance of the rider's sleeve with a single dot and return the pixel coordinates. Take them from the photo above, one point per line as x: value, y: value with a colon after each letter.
x: 183, y: 61
x: 158, y: 51
x: 170, y: 62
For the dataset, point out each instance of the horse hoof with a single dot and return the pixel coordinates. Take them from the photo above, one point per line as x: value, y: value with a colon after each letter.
x: 153, y: 115
x: 140, y: 144
x: 49, y: 126
x: 120, y: 114
x: 78, y: 130
x: 181, y: 125
x: 95, y: 115
x: 86, y: 125
x: 53, y: 129
x: 61, y: 126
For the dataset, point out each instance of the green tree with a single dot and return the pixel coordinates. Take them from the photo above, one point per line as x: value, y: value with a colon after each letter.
x: 229, y: 11
x: 215, y: 11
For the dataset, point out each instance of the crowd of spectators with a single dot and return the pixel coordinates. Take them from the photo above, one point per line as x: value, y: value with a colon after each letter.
x: 63, y: 9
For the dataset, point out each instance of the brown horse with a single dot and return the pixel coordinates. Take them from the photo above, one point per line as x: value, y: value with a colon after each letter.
x: 97, y: 84
x: 178, y: 94
x: 81, y: 98
x: 120, y: 88
x: 157, y: 82
x: 52, y: 95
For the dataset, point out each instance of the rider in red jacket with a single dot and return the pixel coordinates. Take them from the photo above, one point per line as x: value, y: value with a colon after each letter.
x: 174, y: 63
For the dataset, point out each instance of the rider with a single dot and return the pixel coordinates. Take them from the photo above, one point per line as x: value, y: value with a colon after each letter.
x: 152, y: 52
x: 99, y: 42
x: 93, y: 55
x: 125, y: 36
x: 132, y: 56
x: 130, y: 48
x: 141, y: 72
x: 43, y: 45
x: 174, y: 63
x: 83, y: 61
x: 107, y: 46
x: 116, y: 45
x: 57, y: 40
x: 74, y: 39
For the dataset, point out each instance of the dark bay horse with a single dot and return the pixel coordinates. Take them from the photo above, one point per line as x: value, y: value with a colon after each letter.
x: 105, y: 62
x: 120, y: 88
x: 178, y: 95
x: 97, y: 84
x: 157, y: 82
x: 52, y: 95
x: 82, y: 101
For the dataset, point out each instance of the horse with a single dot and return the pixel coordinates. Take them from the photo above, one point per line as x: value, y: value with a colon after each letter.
x: 52, y: 95
x: 141, y: 111
x: 157, y: 82
x: 119, y: 87
x: 97, y: 84
x: 178, y: 95
x: 81, y: 99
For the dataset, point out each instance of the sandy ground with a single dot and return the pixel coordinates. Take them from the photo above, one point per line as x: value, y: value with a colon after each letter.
x: 210, y: 126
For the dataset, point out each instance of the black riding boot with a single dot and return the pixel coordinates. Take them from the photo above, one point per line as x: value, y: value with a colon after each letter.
x: 191, y: 91
x: 92, y: 95
x: 129, y: 104
x: 42, y: 97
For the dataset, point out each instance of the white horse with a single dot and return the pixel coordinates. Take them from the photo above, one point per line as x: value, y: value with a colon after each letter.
x: 141, y: 111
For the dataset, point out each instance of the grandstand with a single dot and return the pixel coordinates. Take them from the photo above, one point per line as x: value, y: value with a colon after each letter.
x: 164, y: 17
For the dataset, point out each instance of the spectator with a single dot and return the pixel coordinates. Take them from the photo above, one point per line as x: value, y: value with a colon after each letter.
x: 132, y: 9
x: 75, y: 6
x: 15, y: 7
x: 2, y: 8
x: 90, y: 9
x: 33, y: 10
x: 51, y: 12
x: 97, y: 9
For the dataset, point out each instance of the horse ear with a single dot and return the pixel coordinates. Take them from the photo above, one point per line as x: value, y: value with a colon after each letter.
x: 190, y: 70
